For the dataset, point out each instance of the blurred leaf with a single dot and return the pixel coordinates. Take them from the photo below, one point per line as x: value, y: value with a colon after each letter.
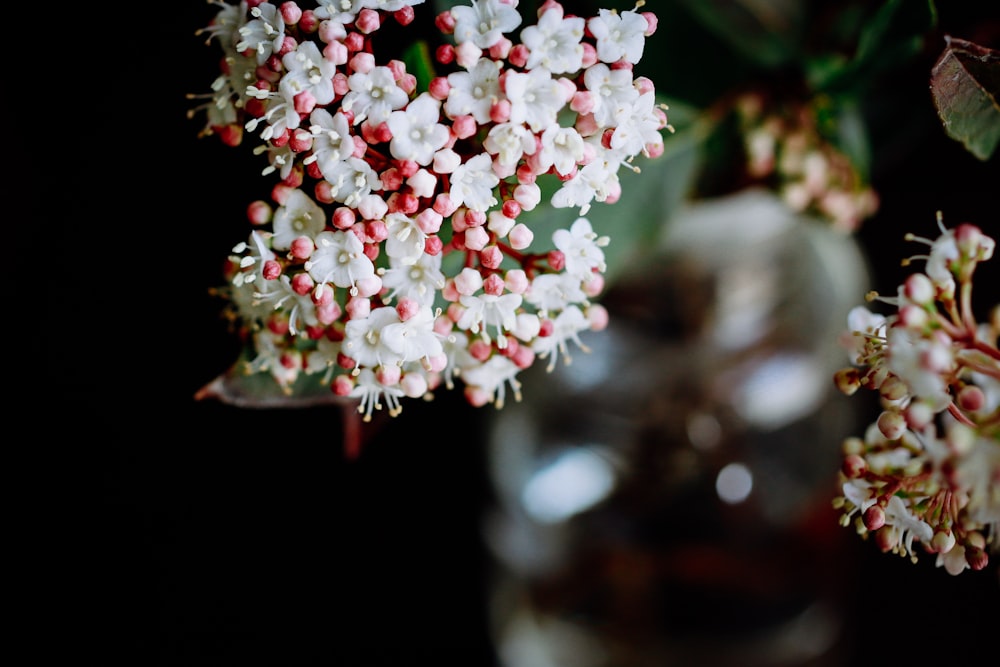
x: 419, y: 63
x: 767, y: 32
x: 892, y: 36
x: 635, y: 221
x: 260, y: 390
x: 965, y: 85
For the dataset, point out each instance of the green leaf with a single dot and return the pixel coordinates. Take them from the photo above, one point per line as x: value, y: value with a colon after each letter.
x: 648, y: 198
x: 419, y: 63
x: 893, y: 35
x: 965, y: 85
x: 260, y: 390
x: 767, y: 32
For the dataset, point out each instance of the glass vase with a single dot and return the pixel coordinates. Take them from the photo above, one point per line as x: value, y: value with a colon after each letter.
x: 665, y: 498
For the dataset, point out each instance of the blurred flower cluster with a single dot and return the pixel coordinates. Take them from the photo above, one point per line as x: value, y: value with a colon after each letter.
x: 925, y: 476
x: 784, y: 145
x: 390, y: 258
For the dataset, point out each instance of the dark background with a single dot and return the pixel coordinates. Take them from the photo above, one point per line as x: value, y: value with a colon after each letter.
x: 196, y: 533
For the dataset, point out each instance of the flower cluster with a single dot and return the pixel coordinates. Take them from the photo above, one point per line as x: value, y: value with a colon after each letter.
x: 785, y: 144
x: 927, y: 471
x: 390, y: 259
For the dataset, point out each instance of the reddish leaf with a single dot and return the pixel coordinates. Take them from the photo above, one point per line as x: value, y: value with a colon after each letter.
x: 965, y: 84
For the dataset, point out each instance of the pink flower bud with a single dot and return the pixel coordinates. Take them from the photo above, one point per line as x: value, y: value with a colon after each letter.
x: 520, y: 236
x: 388, y: 375
x: 493, y: 285
x: 589, y: 55
x: 439, y: 88
x: 342, y: 385
x: 304, y: 102
x: 336, y: 53
x: 271, y: 270
x: 347, y: 362
x: 404, y: 15
x: 464, y: 126
x: 429, y: 221
x: 344, y: 217
x: 302, y: 283
x: 259, y: 212
x: 445, y: 54
x: 407, y: 308
x: 369, y: 286
x: 557, y: 260
x: 491, y: 257
x: 598, y: 317
x: 328, y: 313
x: 518, y: 56
x: 301, y: 140
x: 594, y: 285
x: 500, y: 111
x: 468, y: 281
x: 358, y: 308
x: 445, y: 22
x: 480, y: 349
x: 891, y: 424
x: 854, y: 466
x: 368, y: 21
x: 476, y: 238
x: 413, y: 385
x: 433, y: 245
x: 309, y: 22
x: 874, y: 517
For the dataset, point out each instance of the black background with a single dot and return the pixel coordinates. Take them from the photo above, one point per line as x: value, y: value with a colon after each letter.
x: 195, y: 533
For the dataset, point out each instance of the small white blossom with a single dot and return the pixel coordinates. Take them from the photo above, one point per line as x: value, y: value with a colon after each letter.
x: 339, y: 258
x: 416, y: 132
x: 620, y: 36
x: 485, y: 22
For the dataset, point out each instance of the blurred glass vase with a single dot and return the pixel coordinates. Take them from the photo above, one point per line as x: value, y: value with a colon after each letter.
x: 665, y: 498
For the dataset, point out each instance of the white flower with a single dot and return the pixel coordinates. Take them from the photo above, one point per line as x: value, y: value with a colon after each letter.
x: 419, y: 281
x: 919, y: 362
x: 364, y: 341
x: 535, y: 98
x: 619, y: 36
x: 637, y: 126
x: 370, y: 391
x: 612, y: 89
x: 509, y: 142
x: 554, y: 42
x: 332, y: 140
x: 568, y: 325
x: 278, y: 294
x: 594, y: 181
x: 561, y: 147
x: 373, y: 95
x: 861, y: 321
x: 264, y: 34
x: 483, y: 311
x: 898, y: 515
x: 389, y: 5
x: 552, y: 292
x: 298, y: 216
x: 416, y: 132
x: 351, y: 180
x: 474, y: 92
x: 339, y: 258
x: 582, y: 248
x: 306, y: 70
x: 492, y: 378
x: 472, y: 184
x: 259, y: 253
x: 485, y: 22
x: 405, y: 242
x: 414, y: 338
